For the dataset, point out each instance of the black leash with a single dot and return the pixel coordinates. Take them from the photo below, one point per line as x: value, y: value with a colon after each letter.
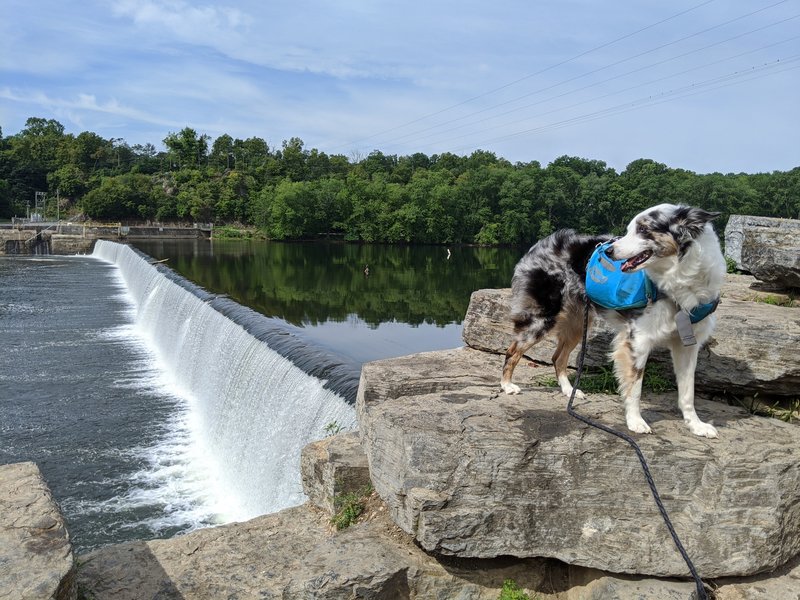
x: 701, y: 592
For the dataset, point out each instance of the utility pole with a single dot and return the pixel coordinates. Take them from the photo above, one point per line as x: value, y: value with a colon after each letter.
x: 40, y: 203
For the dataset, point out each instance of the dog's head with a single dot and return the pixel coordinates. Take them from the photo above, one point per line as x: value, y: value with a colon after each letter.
x: 663, y: 231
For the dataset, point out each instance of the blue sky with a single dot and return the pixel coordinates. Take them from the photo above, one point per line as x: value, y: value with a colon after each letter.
x: 701, y: 85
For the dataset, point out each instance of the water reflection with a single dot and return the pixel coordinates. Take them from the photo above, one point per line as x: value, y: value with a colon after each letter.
x: 314, y: 283
x: 363, y: 302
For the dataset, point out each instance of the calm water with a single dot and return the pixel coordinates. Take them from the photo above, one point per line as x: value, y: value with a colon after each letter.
x: 88, y: 394
x: 414, y: 298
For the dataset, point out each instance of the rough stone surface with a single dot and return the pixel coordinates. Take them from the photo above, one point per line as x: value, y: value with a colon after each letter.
x: 294, y: 554
x: 782, y: 584
x: 591, y: 584
x: 768, y: 248
x: 753, y: 348
x: 747, y: 288
x: 470, y: 472
x: 332, y: 467
x: 36, y: 559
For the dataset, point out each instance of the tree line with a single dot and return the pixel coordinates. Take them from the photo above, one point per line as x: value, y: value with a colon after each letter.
x: 295, y: 193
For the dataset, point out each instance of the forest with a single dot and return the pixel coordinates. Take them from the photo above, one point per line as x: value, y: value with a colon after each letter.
x: 292, y: 193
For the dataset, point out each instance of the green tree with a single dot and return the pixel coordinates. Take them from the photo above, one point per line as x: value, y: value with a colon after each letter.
x: 222, y: 155
x: 234, y: 197
x: 186, y: 148
x: 293, y: 159
x: 517, y: 205
x: 128, y: 196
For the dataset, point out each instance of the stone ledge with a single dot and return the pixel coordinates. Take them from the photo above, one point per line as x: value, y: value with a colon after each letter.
x: 294, y: 554
x: 752, y: 350
x: 36, y: 558
x: 470, y: 472
x: 332, y: 467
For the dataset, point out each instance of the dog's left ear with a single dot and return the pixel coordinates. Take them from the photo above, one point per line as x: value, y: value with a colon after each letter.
x: 692, y: 221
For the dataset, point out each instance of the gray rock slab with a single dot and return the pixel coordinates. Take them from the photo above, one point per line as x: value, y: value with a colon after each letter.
x: 769, y: 248
x: 591, y: 584
x: 294, y: 554
x: 754, y: 348
x: 333, y: 467
x: 36, y: 560
x: 470, y: 472
x: 782, y: 584
x: 773, y: 256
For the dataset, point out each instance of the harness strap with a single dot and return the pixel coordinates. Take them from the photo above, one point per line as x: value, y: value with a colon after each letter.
x: 701, y: 311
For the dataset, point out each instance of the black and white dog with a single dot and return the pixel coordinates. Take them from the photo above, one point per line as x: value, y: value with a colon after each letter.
x: 677, y: 247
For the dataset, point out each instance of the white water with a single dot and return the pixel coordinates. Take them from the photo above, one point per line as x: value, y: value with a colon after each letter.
x: 249, y: 411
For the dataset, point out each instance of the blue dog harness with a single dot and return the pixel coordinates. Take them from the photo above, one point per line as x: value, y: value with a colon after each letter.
x: 610, y: 287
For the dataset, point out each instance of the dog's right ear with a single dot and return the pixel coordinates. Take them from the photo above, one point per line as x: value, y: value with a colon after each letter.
x: 692, y: 220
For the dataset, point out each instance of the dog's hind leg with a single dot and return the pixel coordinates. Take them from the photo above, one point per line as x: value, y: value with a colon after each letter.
x: 569, y: 334
x: 684, y: 360
x: 513, y: 355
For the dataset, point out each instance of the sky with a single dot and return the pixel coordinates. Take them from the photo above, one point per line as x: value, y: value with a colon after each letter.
x: 703, y: 85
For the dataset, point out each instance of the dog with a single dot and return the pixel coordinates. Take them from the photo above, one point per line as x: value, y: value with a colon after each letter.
x: 680, y: 252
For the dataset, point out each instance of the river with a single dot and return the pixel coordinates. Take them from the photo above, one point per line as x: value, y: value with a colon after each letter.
x: 158, y: 400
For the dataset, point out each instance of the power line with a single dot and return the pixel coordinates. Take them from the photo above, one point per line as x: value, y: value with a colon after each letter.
x: 418, y: 133
x: 608, y: 66
x: 526, y: 77
x: 614, y: 93
x: 647, y: 101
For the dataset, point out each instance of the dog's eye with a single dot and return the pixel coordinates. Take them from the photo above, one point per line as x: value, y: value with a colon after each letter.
x: 641, y: 229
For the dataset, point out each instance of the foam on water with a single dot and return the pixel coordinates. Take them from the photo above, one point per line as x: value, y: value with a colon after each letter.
x: 230, y: 450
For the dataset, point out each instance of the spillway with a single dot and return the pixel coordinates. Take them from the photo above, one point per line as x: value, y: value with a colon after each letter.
x: 256, y: 392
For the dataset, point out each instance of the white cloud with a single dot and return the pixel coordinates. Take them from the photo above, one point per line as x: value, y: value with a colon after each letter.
x: 397, y: 76
x: 182, y: 18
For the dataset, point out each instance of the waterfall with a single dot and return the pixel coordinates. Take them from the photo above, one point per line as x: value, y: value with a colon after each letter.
x: 251, y: 408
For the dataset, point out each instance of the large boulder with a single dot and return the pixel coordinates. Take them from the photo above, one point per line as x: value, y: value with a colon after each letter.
x: 471, y: 472
x: 768, y: 248
x: 35, y: 550
x: 752, y: 350
x: 294, y: 554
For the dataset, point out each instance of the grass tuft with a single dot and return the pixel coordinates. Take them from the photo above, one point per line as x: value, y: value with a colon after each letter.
x: 601, y: 380
x: 784, y: 409
x: 333, y: 428
x: 349, y: 507
x: 511, y: 591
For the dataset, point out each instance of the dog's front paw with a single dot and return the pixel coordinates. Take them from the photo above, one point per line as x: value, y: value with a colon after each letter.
x: 567, y: 391
x: 703, y: 429
x: 638, y: 425
x: 510, y: 388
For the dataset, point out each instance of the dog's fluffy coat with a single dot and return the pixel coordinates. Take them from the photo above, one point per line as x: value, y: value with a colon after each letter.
x: 680, y: 252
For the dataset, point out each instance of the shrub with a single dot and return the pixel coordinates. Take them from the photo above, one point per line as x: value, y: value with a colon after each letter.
x: 511, y: 591
x: 349, y: 507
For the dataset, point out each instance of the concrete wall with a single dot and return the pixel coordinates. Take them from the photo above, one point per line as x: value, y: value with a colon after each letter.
x: 80, y: 239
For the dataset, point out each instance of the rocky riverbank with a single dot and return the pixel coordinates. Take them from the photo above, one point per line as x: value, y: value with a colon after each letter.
x: 472, y: 487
